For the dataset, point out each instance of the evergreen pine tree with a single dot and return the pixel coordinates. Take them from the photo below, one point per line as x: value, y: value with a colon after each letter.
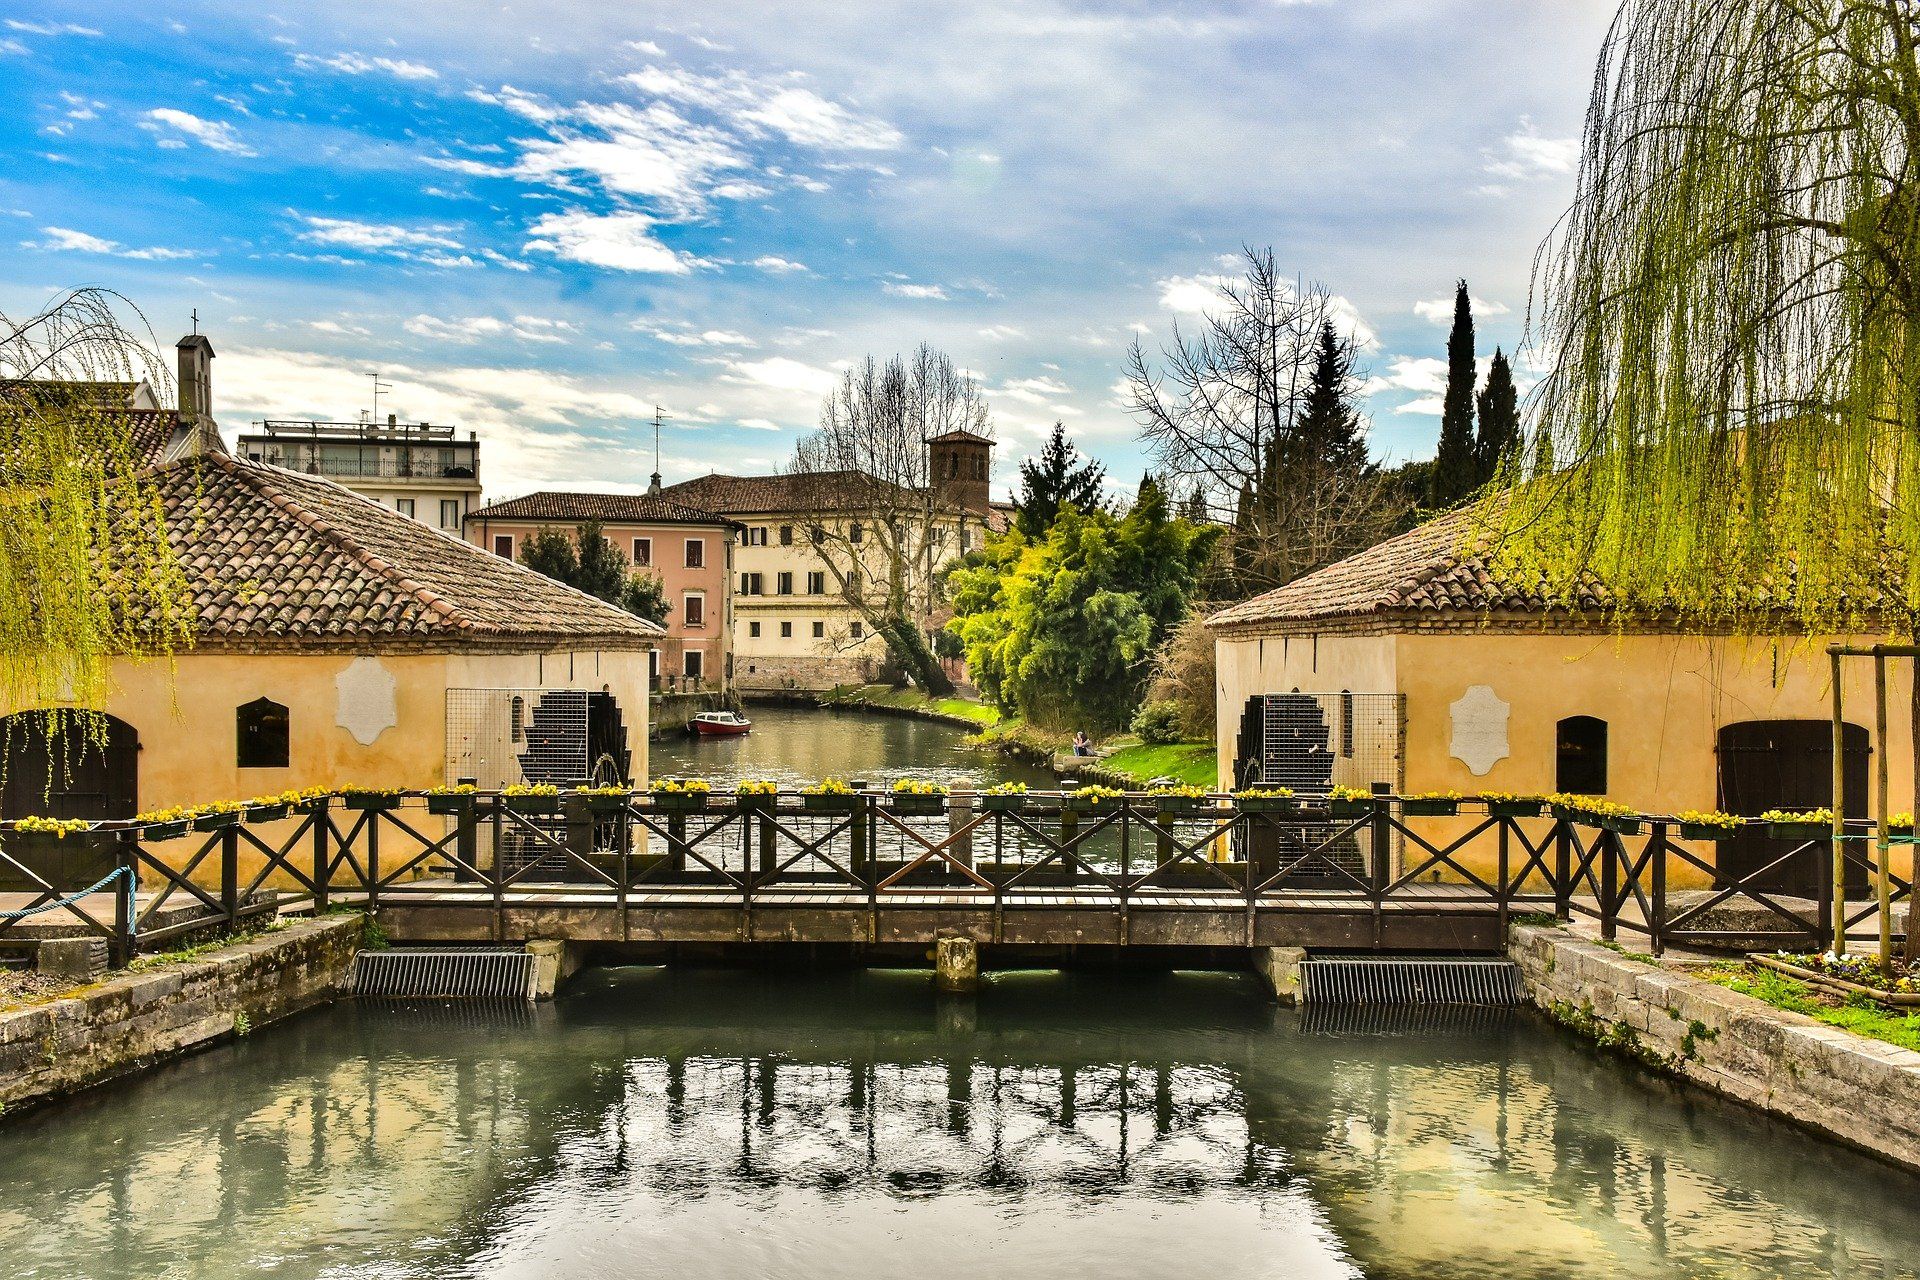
x: 1499, y: 442
x: 1455, y: 469
x: 1060, y: 476
x: 602, y: 570
x: 1328, y: 432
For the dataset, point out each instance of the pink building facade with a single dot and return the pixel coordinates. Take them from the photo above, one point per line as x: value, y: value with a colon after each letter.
x: 689, y: 550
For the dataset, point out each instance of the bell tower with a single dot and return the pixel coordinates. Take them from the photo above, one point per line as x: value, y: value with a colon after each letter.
x: 960, y: 470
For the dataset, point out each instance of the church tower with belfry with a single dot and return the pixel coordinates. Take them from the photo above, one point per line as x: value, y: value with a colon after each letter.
x: 960, y: 470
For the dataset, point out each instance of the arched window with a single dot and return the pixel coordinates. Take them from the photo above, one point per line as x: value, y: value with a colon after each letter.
x: 519, y: 711
x: 260, y: 733
x: 1346, y: 723
x: 1580, y: 756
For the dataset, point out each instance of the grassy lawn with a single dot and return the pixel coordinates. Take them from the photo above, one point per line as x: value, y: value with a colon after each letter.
x: 880, y: 695
x: 1193, y: 763
x: 1855, y: 1013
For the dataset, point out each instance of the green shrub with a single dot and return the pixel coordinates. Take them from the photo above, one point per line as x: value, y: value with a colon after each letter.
x: 1158, y: 723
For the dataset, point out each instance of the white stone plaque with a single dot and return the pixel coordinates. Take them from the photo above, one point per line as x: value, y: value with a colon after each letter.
x: 366, y: 708
x: 1479, y: 729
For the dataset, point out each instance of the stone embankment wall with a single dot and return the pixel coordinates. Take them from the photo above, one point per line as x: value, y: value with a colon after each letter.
x: 134, y: 1020
x: 1864, y: 1092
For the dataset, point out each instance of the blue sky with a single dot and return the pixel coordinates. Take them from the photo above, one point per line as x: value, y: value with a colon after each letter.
x: 539, y: 220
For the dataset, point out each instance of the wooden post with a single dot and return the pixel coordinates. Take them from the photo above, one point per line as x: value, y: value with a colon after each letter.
x: 320, y: 856
x: 466, y: 840
x: 1562, y: 869
x: 230, y: 876
x: 1883, y: 872
x: 1657, y: 921
x: 1612, y: 848
x: 1837, y: 857
x: 126, y: 907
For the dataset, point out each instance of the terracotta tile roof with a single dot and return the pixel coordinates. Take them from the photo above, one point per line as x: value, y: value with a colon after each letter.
x: 735, y: 495
x: 1429, y: 572
x: 636, y: 508
x: 274, y: 556
x: 948, y: 437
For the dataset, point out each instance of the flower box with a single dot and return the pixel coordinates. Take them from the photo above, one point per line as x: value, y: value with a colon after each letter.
x: 216, y: 821
x: 678, y: 801
x: 1515, y: 808
x: 607, y: 804
x: 266, y: 812
x: 1430, y: 808
x: 316, y: 805
x: 531, y: 804
x: 453, y: 805
x: 1706, y: 831
x: 372, y: 804
x: 1800, y: 830
x: 1268, y: 804
x: 1177, y: 806
x: 157, y: 831
x: 1621, y: 825
x: 1090, y: 804
x: 1003, y: 803
x: 1350, y: 808
x: 829, y: 803
x: 924, y: 806
x: 757, y: 802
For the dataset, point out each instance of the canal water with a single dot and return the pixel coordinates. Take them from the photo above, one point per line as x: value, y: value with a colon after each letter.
x: 793, y: 745
x: 739, y: 1124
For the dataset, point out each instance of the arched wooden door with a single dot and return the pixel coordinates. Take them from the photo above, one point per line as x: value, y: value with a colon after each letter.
x: 1787, y: 764
x: 65, y: 770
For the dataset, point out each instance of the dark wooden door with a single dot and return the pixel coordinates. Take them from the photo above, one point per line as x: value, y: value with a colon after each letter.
x: 65, y: 771
x: 1787, y: 764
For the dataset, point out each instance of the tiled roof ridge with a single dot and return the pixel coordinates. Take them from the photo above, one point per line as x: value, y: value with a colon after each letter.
x: 256, y: 476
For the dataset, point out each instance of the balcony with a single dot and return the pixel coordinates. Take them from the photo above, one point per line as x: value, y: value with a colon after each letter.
x: 463, y: 473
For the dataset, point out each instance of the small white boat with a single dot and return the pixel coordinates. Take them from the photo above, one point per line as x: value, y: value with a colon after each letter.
x: 720, y: 724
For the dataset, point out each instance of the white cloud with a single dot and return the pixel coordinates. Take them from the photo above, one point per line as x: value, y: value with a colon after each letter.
x: 1192, y: 295
x: 169, y: 123
x: 1410, y: 373
x: 67, y: 240
x: 651, y: 152
x: 647, y: 47
x: 470, y: 329
x: 1432, y: 406
x: 778, y: 266
x: 355, y: 233
x: 359, y: 64
x: 783, y: 374
x: 1524, y: 155
x: 899, y: 289
x: 1002, y: 332
x: 50, y: 28
x: 621, y: 241
x: 758, y: 424
x: 759, y: 106
x: 706, y: 338
x: 1035, y: 391
x: 1440, y: 310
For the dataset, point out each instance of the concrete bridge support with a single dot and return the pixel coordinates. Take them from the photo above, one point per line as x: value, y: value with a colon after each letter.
x: 1279, y: 968
x: 956, y: 964
x: 554, y: 962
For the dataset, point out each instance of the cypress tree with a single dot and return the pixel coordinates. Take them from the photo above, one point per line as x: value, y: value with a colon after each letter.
x: 1455, y: 473
x: 1499, y: 441
x: 1059, y: 477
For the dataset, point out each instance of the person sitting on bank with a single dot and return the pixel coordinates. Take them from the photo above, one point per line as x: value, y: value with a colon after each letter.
x: 1082, y: 745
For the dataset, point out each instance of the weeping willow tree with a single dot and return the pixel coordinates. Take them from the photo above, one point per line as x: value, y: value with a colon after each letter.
x: 86, y: 572
x: 1731, y: 317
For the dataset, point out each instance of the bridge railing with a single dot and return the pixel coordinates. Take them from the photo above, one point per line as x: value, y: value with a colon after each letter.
x: 142, y: 883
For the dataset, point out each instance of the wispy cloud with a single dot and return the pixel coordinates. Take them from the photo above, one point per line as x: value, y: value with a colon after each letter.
x: 621, y: 241
x: 356, y: 233
x: 905, y: 289
x: 470, y: 329
x: 67, y: 240
x: 701, y: 338
x: 51, y: 28
x: 174, y: 127
x: 1525, y: 155
x: 359, y: 64
x: 1440, y: 310
x: 777, y: 265
x: 758, y: 105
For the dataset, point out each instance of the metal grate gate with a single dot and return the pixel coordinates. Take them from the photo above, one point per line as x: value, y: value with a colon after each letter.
x: 1310, y: 743
x: 499, y: 737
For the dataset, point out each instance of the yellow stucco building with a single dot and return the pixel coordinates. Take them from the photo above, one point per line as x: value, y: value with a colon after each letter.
x: 1408, y: 665
x: 336, y: 643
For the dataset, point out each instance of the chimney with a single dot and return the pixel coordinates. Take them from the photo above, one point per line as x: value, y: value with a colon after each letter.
x: 196, y: 377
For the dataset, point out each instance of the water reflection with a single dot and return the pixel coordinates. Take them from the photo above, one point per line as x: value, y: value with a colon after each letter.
x: 736, y: 1123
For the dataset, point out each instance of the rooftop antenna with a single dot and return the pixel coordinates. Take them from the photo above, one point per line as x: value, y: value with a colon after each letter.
x: 658, y: 417
x: 378, y: 387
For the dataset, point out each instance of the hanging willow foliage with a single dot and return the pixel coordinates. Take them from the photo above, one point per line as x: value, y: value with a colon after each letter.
x: 1731, y: 317
x: 86, y: 573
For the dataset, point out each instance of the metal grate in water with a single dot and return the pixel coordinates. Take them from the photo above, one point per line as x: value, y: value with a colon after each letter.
x: 464, y: 974
x: 1415, y: 980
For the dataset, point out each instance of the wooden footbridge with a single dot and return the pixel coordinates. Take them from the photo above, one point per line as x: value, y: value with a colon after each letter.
x: 1374, y: 874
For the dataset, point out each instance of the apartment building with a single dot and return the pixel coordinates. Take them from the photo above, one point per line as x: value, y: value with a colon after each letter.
x: 418, y: 469
x: 691, y: 551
